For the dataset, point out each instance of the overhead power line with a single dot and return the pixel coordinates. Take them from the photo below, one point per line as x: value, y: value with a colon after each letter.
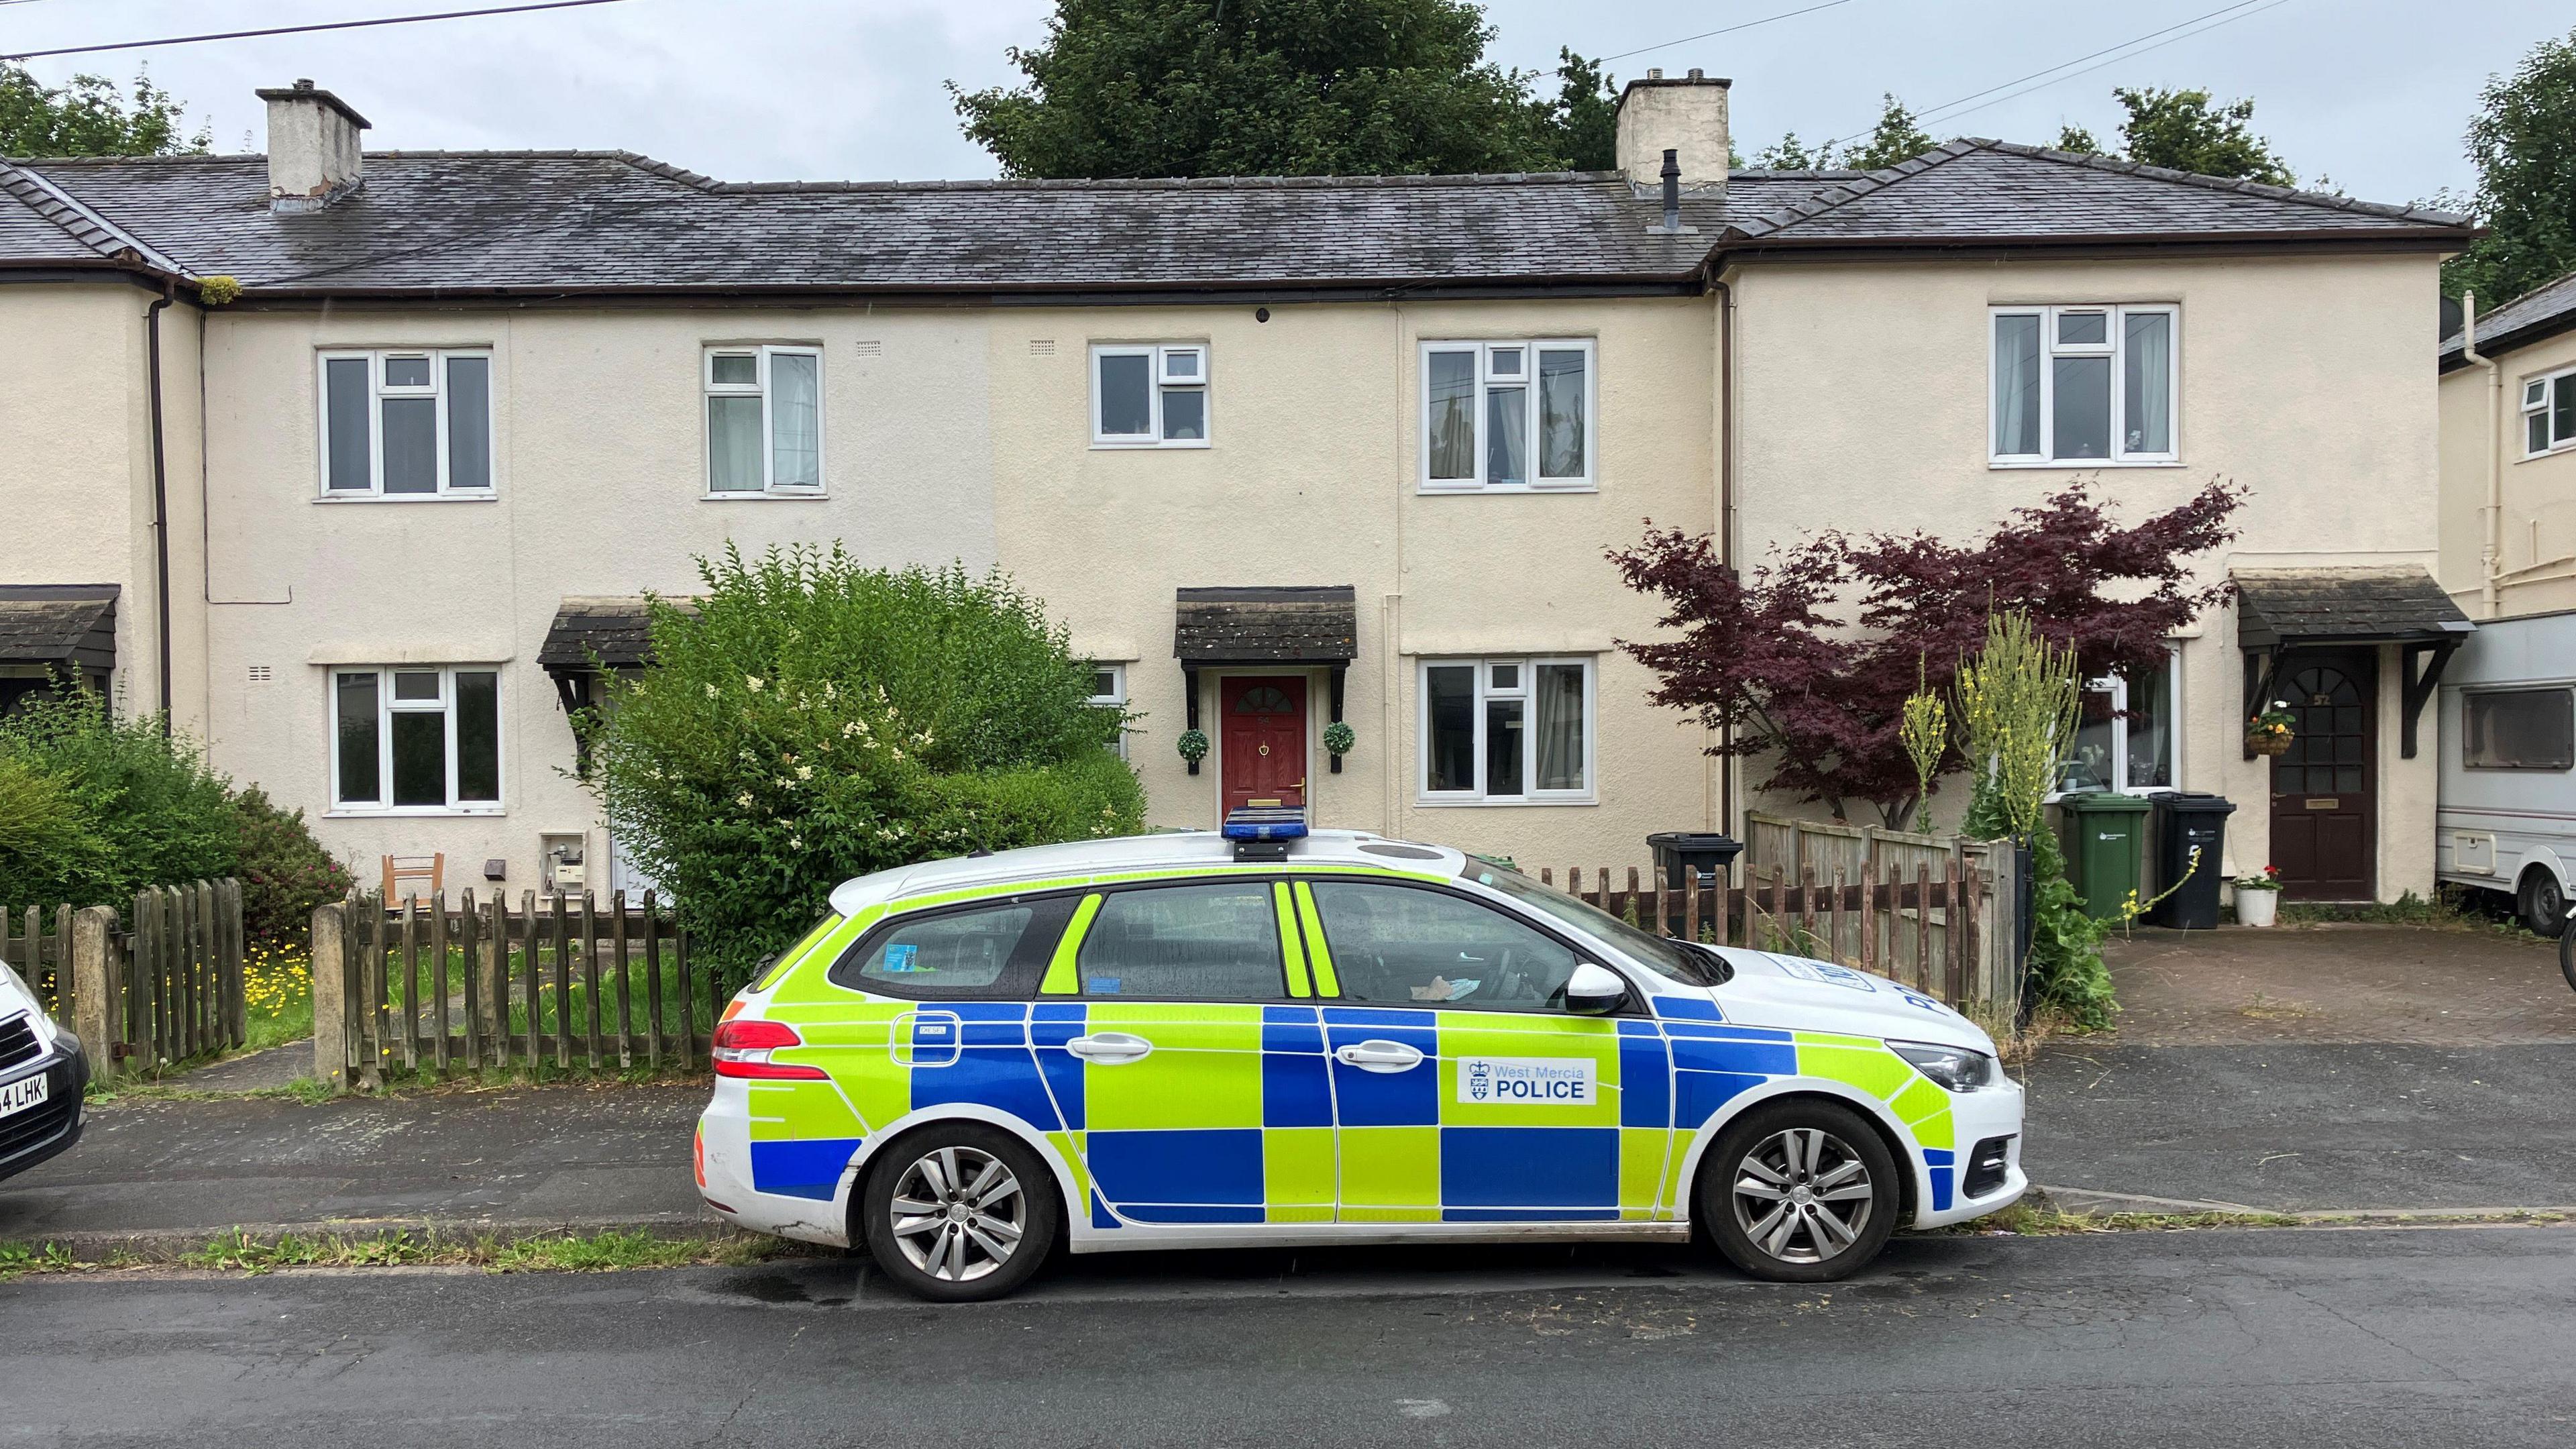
x: 2127, y: 49
x: 305, y: 29
x: 1728, y: 30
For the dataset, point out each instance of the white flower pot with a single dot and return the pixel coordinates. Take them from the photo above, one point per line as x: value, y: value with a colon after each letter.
x: 2257, y: 908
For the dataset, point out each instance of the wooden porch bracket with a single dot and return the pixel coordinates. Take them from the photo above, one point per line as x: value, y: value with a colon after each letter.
x: 2419, y: 688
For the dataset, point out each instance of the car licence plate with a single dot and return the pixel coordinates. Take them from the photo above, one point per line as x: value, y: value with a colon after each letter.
x: 20, y: 1095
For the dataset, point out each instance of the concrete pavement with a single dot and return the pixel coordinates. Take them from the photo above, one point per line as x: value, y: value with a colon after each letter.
x: 2359, y: 1338
x: 523, y: 1159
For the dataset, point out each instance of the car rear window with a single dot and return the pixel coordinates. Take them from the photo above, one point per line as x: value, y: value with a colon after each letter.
x: 992, y: 950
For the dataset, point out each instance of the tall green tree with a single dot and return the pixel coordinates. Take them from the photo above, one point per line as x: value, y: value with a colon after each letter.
x: 90, y: 116
x: 1585, y: 118
x: 1262, y: 87
x: 2523, y: 142
x: 1896, y: 137
x: 2182, y: 130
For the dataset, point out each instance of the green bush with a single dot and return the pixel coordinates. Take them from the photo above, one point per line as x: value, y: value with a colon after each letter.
x: 285, y: 873
x: 146, y: 801
x: 809, y: 720
x: 43, y: 837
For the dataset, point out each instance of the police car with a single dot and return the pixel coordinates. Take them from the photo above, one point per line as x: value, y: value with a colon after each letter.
x: 1181, y: 1040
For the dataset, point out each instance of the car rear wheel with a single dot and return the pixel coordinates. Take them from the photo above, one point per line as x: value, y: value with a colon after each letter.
x: 959, y: 1213
x: 2541, y: 904
x: 1799, y: 1191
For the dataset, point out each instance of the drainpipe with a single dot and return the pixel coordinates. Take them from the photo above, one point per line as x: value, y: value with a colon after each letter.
x: 2491, y: 556
x: 1725, y: 508
x: 160, y: 493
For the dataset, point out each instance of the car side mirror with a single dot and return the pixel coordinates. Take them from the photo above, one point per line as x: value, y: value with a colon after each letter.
x: 1594, y: 990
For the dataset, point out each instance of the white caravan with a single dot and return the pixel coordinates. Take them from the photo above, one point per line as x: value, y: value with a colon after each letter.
x: 2508, y: 807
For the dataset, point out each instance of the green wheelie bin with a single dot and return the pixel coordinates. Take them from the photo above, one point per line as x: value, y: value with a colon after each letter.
x: 2105, y: 841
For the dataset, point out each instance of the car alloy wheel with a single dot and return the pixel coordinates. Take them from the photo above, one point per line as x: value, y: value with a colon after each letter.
x: 1803, y: 1195
x: 959, y: 1214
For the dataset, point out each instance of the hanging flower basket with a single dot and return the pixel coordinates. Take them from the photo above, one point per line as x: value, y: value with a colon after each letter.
x: 2269, y: 733
x: 1339, y: 737
x: 1193, y: 745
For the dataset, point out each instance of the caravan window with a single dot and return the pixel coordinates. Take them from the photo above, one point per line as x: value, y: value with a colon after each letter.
x: 2518, y: 729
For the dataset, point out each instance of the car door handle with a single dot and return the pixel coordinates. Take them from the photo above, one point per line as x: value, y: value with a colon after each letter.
x: 1109, y: 1047
x: 1379, y: 1056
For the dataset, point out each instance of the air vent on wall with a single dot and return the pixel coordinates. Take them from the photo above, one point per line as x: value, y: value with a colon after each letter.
x: 869, y: 347
x: 259, y: 674
x: 1041, y: 347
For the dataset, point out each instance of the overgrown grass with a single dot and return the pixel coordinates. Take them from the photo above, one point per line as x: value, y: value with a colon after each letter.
x: 240, y: 1252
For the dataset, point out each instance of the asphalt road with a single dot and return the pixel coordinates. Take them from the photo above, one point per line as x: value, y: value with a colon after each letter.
x: 2298, y: 1127
x: 2353, y: 1337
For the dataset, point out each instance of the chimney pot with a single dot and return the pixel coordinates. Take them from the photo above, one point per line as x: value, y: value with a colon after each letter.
x: 1660, y: 117
x: 313, y: 153
x: 1697, y: 74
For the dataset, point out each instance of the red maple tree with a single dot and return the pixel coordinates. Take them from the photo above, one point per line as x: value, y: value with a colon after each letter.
x: 1809, y: 661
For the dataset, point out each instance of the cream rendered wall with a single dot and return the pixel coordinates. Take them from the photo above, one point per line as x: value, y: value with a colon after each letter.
x: 1311, y: 478
x: 2538, y: 537
x: 1862, y: 396
x: 598, y: 445
x: 76, y: 470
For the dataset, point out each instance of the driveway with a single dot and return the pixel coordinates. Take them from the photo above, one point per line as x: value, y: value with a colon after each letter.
x: 2320, y: 1069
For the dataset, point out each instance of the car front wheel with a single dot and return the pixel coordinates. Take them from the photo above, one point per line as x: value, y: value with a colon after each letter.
x: 1799, y: 1191
x: 959, y: 1213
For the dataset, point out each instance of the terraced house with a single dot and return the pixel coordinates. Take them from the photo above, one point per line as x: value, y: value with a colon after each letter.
x: 358, y: 461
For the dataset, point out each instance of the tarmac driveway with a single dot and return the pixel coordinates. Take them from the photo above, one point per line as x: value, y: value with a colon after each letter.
x: 2317, y: 1069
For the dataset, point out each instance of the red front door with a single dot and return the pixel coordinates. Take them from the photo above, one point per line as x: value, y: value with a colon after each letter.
x: 1264, y: 741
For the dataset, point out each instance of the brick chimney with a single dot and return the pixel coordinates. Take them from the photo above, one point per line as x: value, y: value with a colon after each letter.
x: 1687, y: 114
x: 313, y: 157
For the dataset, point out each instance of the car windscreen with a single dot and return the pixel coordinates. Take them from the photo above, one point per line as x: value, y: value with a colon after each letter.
x: 1673, y: 960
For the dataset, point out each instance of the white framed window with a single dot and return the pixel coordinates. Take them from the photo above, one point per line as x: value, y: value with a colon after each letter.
x: 416, y: 740
x: 1109, y: 691
x: 2129, y: 738
x: 764, y: 420
x: 1149, y: 395
x: 1512, y: 731
x: 2084, y: 384
x: 406, y: 423
x: 1507, y: 416
x: 2549, y: 413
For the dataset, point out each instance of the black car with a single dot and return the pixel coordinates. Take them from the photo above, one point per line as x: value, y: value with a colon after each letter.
x: 42, y: 1073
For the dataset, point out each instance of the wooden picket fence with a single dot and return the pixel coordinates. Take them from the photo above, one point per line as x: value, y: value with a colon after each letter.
x: 423, y: 985
x: 1924, y: 928
x: 157, y: 985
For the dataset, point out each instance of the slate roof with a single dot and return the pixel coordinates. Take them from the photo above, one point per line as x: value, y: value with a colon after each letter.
x: 2535, y: 316
x: 575, y: 222
x: 59, y: 624
x: 618, y: 630
x: 1284, y: 625
x: 2288, y: 606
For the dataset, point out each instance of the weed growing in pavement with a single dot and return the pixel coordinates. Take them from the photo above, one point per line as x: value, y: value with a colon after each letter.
x: 2025, y: 1220
x: 2450, y: 909
x: 240, y: 1252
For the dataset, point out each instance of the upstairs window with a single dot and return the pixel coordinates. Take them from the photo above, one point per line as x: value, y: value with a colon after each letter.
x: 416, y: 740
x: 406, y: 424
x: 764, y: 421
x: 2549, y: 413
x: 2084, y: 385
x: 1149, y: 395
x: 1506, y: 416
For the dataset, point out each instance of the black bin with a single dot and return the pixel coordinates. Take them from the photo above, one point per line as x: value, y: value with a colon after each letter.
x: 1688, y: 858
x: 2185, y: 819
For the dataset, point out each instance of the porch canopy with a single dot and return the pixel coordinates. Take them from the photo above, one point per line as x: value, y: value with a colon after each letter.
x: 591, y: 633
x: 2278, y: 610
x: 1287, y: 625
x: 56, y: 631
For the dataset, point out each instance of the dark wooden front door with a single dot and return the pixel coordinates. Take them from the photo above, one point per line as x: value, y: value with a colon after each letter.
x: 2323, y: 818
x: 1264, y: 741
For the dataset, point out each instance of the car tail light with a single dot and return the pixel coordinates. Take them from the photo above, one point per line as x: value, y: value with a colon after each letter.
x: 743, y: 1048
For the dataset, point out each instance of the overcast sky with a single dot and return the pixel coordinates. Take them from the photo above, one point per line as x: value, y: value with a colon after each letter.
x: 2370, y: 93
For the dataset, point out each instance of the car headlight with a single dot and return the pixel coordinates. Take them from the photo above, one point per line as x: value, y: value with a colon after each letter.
x: 14, y: 994
x: 1957, y: 1068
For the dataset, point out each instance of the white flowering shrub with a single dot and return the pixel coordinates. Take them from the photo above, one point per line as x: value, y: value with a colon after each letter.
x: 807, y: 720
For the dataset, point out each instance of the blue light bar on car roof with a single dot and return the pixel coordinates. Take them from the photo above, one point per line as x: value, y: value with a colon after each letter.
x: 1267, y: 822
x: 1263, y: 832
